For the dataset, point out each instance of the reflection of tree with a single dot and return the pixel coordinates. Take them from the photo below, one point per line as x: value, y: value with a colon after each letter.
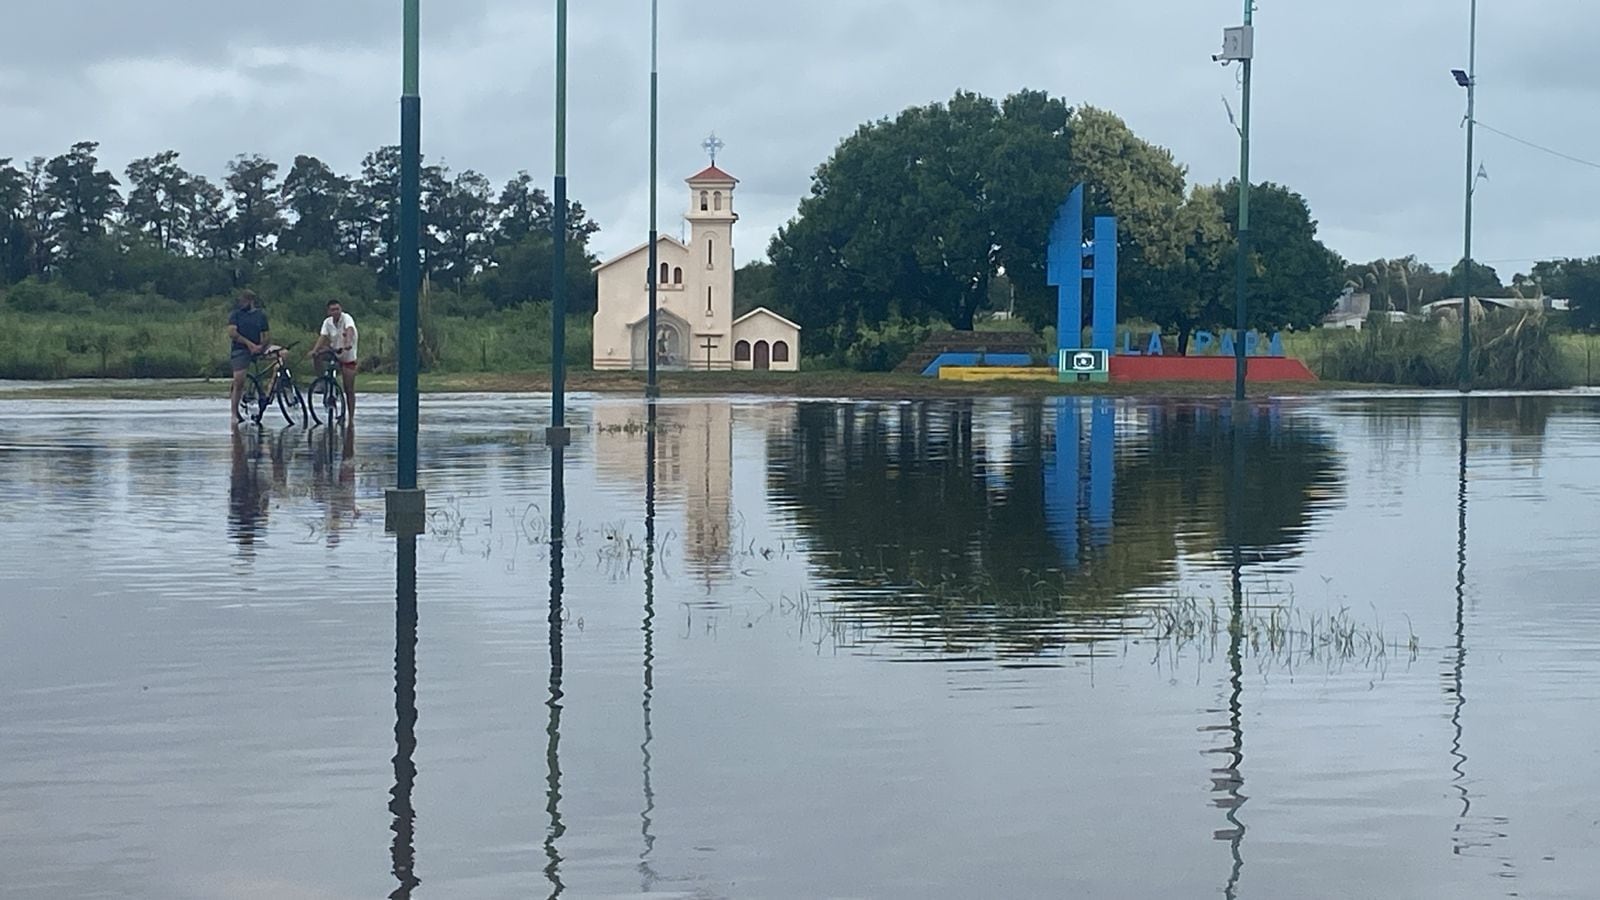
x: 904, y: 499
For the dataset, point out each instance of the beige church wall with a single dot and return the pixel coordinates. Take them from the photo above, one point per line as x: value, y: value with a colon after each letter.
x: 623, y: 298
x: 766, y: 328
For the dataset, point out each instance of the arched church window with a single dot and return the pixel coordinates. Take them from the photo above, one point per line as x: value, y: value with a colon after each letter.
x: 664, y: 269
x: 716, y: 200
x: 780, y: 351
x: 709, y: 248
x: 704, y: 202
x: 741, y: 351
x: 708, y: 300
x: 677, y: 275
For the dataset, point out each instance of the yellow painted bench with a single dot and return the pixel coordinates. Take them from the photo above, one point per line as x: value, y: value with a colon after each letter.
x: 996, y: 373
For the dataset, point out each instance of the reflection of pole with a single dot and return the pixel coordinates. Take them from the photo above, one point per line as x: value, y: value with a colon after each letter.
x: 649, y: 628
x: 1459, y: 662
x: 403, y: 851
x: 558, y: 515
x: 651, y: 388
x: 1230, y: 778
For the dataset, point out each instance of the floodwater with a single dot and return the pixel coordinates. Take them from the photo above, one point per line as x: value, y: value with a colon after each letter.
x: 1332, y: 647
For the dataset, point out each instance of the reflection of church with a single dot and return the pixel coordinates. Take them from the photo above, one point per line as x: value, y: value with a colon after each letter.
x: 695, y: 325
x: 694, y: 463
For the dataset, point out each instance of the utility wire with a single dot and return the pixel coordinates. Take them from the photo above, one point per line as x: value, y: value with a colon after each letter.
x: 1543, y: 149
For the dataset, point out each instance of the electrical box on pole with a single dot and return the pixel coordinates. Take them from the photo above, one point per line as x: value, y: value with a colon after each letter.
x: 1238, y: 44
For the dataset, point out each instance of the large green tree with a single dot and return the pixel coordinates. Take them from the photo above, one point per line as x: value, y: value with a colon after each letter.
x: 86, y: 197
x: 311, y: 195
x: 1576, y: 280
x: 159, y: 196
x: 257, y: 219
x: 1293, y: 279
x: 915, y: 216
x: 13, y: 224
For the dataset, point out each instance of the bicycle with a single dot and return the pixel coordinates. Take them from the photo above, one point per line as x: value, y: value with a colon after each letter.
x: 327, y: 393
x: 255, y: 399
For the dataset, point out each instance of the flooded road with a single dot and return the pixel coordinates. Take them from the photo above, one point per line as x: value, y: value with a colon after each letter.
x: 1325, y: 647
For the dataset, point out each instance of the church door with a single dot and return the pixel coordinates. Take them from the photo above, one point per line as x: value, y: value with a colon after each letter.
x: 763, y: 358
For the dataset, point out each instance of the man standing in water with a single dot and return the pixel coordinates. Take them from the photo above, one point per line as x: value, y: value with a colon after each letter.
x: 338, y: 336
x: 247, y: 335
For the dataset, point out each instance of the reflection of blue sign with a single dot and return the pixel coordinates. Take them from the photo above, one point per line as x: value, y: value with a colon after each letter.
x: 1065, y: 270
x: 1068, y: 494
x: 1204, y: 343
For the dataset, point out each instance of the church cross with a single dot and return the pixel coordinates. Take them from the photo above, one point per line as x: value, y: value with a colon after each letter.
x: 712, y: 145
x: 709, y: 345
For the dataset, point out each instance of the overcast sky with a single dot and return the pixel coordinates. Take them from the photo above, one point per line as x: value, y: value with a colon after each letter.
x: 1354, y: 104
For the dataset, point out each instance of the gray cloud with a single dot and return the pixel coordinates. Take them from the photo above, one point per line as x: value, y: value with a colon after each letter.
x: 1354, y: 104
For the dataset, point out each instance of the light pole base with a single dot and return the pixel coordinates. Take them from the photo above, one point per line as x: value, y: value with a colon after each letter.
x: 558, y: 436
x: 405, y: 512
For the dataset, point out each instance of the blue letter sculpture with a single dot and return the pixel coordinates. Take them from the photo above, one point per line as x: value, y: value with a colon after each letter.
x: 1065, y: 270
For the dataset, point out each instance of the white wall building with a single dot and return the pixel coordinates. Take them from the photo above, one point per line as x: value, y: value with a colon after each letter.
x: 695, y: 326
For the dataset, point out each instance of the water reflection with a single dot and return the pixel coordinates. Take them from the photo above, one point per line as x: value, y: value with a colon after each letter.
x: 1025, y: 527
x: 647, y: 873
x: 692, y: 462
x: 552, y: 753
x: 249, y: 494
x: 333, y: 479
x: 403, y: 853
x: 1228, y: 781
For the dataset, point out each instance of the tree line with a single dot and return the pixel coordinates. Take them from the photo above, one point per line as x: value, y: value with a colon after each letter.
x: 162, y: 231
x: 918, y: 217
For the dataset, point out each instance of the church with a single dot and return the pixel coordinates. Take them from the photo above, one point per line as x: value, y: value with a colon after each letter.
x: 695, y: 325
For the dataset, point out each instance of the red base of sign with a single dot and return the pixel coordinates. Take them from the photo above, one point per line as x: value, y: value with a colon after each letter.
x: 1206, y: 368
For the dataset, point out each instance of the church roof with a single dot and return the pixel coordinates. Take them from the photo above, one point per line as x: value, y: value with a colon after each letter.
x: 660, y: 239
x: 712, y: 174
x: 763, y: 311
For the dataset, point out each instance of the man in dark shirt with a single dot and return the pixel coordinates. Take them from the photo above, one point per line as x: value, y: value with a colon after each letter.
x: 247, y: 335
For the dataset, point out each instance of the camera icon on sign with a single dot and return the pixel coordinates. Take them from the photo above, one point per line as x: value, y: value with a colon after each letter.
x: 1085, y: 362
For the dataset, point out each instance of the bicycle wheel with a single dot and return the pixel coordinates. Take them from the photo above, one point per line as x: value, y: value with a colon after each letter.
x: 291, y: 401
x: 252, y: 400
x: 327, y: 395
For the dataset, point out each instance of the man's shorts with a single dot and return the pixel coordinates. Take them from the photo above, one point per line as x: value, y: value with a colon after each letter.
x: 240, y: 358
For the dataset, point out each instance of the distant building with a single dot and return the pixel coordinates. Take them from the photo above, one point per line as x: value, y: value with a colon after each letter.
x: 1350, y: 311
x: 695, y: 325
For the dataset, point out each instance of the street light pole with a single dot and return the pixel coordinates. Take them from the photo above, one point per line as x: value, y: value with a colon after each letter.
x: 1241, y: 281
x: 1472, y: 178
x: 558, y: 435
x: 405, y: 506
x: 651, y: 388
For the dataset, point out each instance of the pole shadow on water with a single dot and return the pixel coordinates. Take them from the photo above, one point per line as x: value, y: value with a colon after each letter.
x: 558, y: 503
x: 403, y: 851
x: 647, y: 874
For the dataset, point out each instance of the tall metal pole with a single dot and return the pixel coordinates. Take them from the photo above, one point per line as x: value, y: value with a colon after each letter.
x: 652, y: 388
x: 406, y: 507
x: 1472, y: 177
x: 410, y: 236
x: 1241, y: 364
x: 558, y: 435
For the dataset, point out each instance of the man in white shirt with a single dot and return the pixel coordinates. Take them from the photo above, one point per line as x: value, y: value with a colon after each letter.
x: 338, y: 336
